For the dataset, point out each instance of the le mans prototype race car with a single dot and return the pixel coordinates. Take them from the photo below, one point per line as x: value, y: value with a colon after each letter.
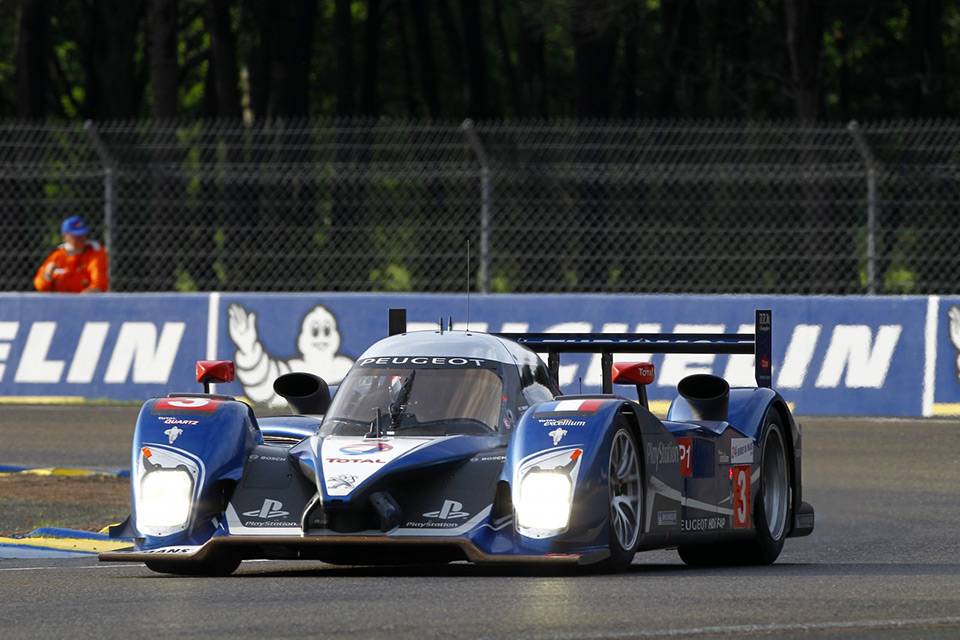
x: 441, y: 446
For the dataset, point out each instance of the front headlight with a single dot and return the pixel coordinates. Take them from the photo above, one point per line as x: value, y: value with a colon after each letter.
x: 545, y: 500
x: 166, y: 496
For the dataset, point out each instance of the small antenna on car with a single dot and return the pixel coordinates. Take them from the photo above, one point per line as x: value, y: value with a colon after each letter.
x: 468, y: 284
x: 449, y: 323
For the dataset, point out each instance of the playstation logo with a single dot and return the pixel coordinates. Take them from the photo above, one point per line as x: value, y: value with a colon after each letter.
x: 270, y: 509
x: 451, y: 509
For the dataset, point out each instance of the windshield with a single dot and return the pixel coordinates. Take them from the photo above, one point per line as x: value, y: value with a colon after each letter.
x: 416, y: 401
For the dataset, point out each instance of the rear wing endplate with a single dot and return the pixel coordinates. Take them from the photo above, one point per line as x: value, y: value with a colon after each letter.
x: 758, y: 343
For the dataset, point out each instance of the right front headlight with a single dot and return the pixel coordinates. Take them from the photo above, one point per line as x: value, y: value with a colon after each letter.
x: 166, y: 496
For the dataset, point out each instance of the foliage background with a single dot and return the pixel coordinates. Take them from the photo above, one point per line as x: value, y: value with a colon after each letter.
x: 484, y: 59
x: 317, y: 144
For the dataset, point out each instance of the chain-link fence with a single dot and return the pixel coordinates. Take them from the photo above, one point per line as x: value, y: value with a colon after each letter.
x: 323, y: 205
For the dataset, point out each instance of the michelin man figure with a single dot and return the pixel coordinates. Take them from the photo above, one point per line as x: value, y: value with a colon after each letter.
x: 318, y: 343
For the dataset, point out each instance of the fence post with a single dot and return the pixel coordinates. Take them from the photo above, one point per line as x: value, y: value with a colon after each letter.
x: 478, y: 149
x: 871, y: 162
x: 109, y: 190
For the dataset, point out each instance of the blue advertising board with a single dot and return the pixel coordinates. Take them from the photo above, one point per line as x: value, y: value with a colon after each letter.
x: 98, y: 346
x: 880, y: 356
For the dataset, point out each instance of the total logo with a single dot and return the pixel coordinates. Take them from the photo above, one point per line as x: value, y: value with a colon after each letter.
x: 269, y: 510
x: 365, y: 448
x: 450, y: 510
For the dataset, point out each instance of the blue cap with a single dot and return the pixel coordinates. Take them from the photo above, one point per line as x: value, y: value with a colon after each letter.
x: 74, y: 226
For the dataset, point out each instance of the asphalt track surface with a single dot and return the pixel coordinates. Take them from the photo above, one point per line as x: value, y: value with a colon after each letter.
x: 884, y: 562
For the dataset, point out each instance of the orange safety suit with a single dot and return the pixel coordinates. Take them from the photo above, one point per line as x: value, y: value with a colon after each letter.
x: 75, y: 272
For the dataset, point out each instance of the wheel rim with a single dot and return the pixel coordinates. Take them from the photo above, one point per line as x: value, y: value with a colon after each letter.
x: 775, y: 484
x: 625, y: 490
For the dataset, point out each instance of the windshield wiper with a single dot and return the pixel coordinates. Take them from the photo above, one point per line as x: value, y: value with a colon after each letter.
x: 396, y: 407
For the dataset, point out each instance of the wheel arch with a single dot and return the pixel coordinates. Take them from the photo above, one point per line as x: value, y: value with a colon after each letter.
x: 791, y: 434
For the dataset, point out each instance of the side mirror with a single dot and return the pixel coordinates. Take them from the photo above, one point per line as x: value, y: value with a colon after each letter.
x: 214, y: 371
x: 638, y: 373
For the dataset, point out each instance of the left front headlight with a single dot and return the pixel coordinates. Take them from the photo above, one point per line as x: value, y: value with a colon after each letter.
x: 166, y: 496
x: 545, y: 501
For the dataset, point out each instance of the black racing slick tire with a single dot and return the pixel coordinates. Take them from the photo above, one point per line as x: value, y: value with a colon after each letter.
x: 771, y: 507
x: 217, y: 566
x: 625, y: 495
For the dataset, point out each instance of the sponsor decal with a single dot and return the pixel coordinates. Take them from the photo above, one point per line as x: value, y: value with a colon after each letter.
x: 666, y: 518
x: 355, y: 460
x: 723, y: 457
x: 139, y: 355
x: 703, y: 524
x: 344, y: 481
x: 741, y: 497
x: 173, y: 433
x: 318, y: 346
x: 172, y: 550
x: 254, y: 456
x: 422, y: 360
x: 562, y: 422
x: 348, y: 456
x: 557, y: 435
x: 741, y: 451
x: 686, y: 456
x: 662, y: 454
x: 489, y: 459
x: 172, y: 420
x: 269, y: 510
x: 432, y: 524
x: 365, y: 448
x: 450, y: 510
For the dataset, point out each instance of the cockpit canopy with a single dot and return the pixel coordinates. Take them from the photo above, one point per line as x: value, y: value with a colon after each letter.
x: 418, y: 396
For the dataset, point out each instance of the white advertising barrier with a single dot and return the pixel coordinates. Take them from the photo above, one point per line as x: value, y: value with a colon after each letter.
x: 865, y: 356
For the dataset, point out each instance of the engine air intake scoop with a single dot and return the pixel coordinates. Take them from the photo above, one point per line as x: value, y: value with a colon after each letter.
x: 706, y: 395
x: 306, y: 393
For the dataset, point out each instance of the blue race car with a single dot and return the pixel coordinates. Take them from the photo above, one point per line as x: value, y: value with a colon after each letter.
x: 441, y: 446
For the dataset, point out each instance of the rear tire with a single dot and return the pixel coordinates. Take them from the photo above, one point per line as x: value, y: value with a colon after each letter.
x: 625, y: 495
x: 771, y: 507
x: 772, y: 504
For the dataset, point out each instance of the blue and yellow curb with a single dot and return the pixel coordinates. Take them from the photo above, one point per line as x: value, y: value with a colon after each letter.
x: 53, y: 542
x: 7, y: 470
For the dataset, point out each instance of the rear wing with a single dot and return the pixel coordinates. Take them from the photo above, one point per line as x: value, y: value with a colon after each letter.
x: 758, y: 343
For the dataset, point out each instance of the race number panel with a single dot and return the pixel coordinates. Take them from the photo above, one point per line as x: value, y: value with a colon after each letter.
x: 191, y: 405
x: 741, y: 497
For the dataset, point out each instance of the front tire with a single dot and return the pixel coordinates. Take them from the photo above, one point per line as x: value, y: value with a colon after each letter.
x: 625, y: 494
x: 217, y: 566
